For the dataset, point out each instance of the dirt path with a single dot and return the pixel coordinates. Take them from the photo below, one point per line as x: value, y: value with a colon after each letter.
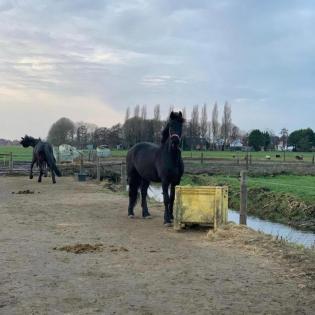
x: 139, y: 268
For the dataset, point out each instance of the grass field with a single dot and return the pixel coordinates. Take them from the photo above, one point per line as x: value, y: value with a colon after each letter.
x: 285, y: 199
x: 303, y: 187
x: 289, y: 156
x: 21, y: 153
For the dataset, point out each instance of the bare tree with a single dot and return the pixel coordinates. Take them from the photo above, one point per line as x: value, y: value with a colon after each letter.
x: 157, y: 124
x: 127, y: 116
x: 157, y: 113
x: 284, y: 137
x: 209, y: 125
x: 194, y: 122
x: 82, y: 136
x: 215, y: 125
x: 184, y: 113
x: 204, y: 121
x: 144, y: 112
x: 226, y: 123
x: 136, y: 112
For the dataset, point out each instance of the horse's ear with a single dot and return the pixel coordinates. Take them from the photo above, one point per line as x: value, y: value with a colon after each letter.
x: 180, y: 114
x: 172, y: 115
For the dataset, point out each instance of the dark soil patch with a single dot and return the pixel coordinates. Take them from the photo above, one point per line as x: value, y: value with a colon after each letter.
x: 88, y: 248
x: 82, y: 248
x: 24, y: 192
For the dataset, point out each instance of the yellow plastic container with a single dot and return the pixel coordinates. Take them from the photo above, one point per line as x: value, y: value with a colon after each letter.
x: 201, y: 204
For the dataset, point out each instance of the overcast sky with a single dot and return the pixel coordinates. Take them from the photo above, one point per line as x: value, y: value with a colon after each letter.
x: 89, y: 60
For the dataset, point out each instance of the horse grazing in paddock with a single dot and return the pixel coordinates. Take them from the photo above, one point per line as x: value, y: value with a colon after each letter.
x: 163, y: 163
x: 43, y: 156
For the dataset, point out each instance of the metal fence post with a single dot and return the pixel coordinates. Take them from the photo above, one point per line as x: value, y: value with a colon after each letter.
x: 243, y: 198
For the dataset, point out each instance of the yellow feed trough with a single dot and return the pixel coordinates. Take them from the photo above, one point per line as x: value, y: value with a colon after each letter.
x: 206, y: 205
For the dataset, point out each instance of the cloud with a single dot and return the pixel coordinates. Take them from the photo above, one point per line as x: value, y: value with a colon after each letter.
x: 258, y: 55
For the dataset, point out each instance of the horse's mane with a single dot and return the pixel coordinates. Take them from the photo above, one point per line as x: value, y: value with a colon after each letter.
x: 165, y: 133
x: 173, y: 116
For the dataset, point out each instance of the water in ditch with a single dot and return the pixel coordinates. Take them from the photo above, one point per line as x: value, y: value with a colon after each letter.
x: 288, y: 233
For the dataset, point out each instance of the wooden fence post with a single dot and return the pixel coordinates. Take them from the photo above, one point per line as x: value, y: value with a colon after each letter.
x: 313, y: 159
x: 201, y: 157
x: 122, y: 174
x: 250, y: 159
x: 81, y: 164
x: 243, y: 198
x: 284, y: 156
x: 246, y: 157
x: 98, y: 170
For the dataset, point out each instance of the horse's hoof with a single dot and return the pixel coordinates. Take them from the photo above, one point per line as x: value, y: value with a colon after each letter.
x: 131, y: 216
x: 168, y: 224
x: 148, y: 216
x: 31, y: 176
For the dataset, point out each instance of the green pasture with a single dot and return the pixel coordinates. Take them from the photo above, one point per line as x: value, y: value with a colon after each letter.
x: 289, y: 156
x: 19, y: 153
x: 24, y: 154
x: 302, y: 187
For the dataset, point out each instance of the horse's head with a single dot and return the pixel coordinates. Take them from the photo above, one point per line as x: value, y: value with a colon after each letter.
x: 27, y: 141
x: 175, y: 127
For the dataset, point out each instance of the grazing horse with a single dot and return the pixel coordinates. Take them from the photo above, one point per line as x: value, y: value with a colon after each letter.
x: 163, y: 163
x: 43, y: 156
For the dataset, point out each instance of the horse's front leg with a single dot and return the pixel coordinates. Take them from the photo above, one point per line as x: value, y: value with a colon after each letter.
x: 32, y: 165
x: 166, y: 198
x: 172, y: 198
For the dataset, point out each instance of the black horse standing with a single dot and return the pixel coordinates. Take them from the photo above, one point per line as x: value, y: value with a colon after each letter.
x: 42, y: 156
x: 148, y: 162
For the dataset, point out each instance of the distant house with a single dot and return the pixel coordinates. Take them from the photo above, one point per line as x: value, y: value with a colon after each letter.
x: 282, y: 147
x: 236, y: 145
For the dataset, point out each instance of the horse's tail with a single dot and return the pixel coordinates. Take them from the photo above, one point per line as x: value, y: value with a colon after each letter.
x: 51, y: 161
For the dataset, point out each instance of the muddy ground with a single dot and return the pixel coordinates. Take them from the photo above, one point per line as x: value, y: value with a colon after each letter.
x: 126, y: 266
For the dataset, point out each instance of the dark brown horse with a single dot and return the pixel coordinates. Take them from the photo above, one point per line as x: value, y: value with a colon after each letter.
x: 42, y: 155
x: 163, y: 163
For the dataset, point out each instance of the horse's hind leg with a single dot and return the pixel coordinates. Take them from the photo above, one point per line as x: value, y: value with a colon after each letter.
x: 53, y: 176
x: 32, y: 165
x: 46, y: 170
x: 40, y: 173
x: 134, y: 182
x: 144, y: 191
